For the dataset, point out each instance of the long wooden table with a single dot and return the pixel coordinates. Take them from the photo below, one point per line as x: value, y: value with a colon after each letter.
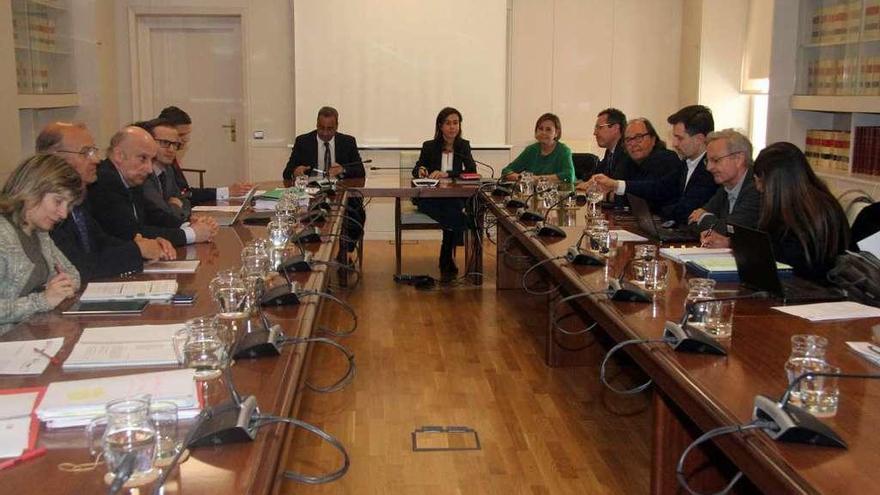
x: 253, y: 467
x: 696, y: 393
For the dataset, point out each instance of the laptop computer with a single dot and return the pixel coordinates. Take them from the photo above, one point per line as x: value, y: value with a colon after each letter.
x: 756, y: 266
x: 648, y: 223
x: 225, y: 219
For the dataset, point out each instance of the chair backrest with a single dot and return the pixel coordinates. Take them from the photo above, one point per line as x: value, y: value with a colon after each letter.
x: 407, y: 162
x: 853, y: 201
x: 584, y: 165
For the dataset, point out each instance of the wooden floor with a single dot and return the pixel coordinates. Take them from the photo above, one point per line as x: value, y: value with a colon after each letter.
x: 465, y: 356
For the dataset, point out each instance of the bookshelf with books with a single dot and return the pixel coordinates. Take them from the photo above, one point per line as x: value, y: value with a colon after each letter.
x: 43, y: 47
x: 825, y: 86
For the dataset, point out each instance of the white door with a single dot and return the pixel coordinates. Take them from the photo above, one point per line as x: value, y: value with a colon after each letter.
x: 195, y: 63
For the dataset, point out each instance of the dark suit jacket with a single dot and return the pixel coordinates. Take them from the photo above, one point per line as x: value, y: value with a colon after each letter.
x: 613, y: 167
x: 157, y: 195
x: 745, y: 212
x: 655, y: 179
x: 305, y: 152
x: 196, y: 195
x: 431, y: 157
x: 698, y: 191
x: 113, y: 206
x: 107, y: 256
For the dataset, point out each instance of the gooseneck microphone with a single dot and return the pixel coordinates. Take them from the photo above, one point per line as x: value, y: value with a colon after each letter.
x: 685, y: 338
x: 549, y: 230
x: 122, y: 473
x: 478, y: 162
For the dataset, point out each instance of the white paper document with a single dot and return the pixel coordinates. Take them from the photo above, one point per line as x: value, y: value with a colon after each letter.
x: 140, y: 289
x: 842, y: 310
x: 627, y: 236
x: 77, y: 402
x: 217, y: 208
x: 15, y: 422
x: 683, y: 255
x: 871, y: 244
x: 124, y: 346
x: 176, y: 266
x: 27, y: 357
x: 867, y: 351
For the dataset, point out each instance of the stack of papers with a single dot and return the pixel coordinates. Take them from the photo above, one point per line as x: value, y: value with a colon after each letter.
x: 124, y: 346
x: 177, y: 266
x: 28, y: 357
x: 866, y: 350
x: 841, y: 310
x: 683, y: 255
x: 78, y: 402
x: 17, y: 429
x: 627, y: 236
x: 117, y: 291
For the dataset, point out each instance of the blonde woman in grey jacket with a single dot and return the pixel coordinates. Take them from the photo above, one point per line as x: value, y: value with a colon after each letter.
x: 34, y: 275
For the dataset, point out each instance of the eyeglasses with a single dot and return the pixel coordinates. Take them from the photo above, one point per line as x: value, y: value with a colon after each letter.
x: 636, y: 137
x: 164, y: 143
x: 599, y: 126
x: 90, y: 152
x: 717, y: 160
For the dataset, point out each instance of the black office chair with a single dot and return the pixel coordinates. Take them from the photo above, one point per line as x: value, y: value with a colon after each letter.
x: 584, y: 165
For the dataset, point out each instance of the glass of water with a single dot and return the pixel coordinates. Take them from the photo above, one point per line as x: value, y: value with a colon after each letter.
x: 128, y: 431
x: 656, y: 273
x: 719, y: 318
x: 200, y: 346
x: 819, y: 395
x: 163, y: 414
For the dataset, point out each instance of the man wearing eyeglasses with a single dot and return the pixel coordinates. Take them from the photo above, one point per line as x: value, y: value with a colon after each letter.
x: 729, y: 160
x: 160, y: 188
x: 651, y: 172
x: 608, y: 132
x: 95, y: 253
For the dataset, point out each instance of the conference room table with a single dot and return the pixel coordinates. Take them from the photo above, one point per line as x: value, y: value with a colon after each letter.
x: 695, y: 393
x: 252, y: 467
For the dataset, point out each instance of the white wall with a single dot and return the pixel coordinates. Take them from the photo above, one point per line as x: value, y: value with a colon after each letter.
x: 577, y: 57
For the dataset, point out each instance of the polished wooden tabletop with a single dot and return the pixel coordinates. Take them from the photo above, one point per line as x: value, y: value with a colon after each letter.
x: 718, y: 391
x: 234, y: 469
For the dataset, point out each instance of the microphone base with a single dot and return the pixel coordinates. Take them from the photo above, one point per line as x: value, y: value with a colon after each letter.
x: 501, y: 191
x: 281, y: 295
x: 259, y: 343
x: 297, y: 263
x: 690, y: 340
x: 627, y: 292
x: 515, y: 204
x: 530, y: 216
x: 795, y: 424
x: 580, y: 257
x: 308, y: 235
x: 549, y: 230
x: 314, y: 216
x: 226, y: 423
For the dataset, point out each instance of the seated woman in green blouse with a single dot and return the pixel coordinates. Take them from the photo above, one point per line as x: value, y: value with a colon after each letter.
x: 547, y: 158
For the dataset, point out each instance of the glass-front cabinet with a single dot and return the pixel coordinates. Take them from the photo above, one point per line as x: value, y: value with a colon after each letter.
x: 839, y: 48
x: 41, y: 31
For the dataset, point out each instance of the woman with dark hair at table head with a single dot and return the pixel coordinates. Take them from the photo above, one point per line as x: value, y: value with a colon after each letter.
x: 36, y: 275
x: 806, y: 223
x: 547, y: 157
x: 447, y: 155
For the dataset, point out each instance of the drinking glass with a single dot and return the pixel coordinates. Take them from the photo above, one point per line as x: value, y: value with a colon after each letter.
x: 595, y: 195
x: 807, y: 354
x: 719, y: 318
x: 163, y: 414
x: 230, y: 293
x: 641, y: 255
x: 699, y: 289
x: 819, y: 395
x: 129, y: 431
x: 656, y: 273
x: 279, y: 232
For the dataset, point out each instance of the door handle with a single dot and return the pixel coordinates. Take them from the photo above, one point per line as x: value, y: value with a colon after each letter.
x: 232, y: 129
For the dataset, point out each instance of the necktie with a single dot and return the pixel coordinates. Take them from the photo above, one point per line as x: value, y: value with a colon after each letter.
x: 610, y: 161
x: 81, y: 228
x: 160, y: 179
x: 326, y: 156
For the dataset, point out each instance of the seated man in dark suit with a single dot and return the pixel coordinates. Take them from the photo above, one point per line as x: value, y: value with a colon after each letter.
x: 94, y: 253
x: 336, y: 155
x: 608, y: 131
x: 117, y: 197
x: 690, y: 126
x: 651, y: 172
x: 160, y: 188
x: 729, y: 160
x: 197, y: 195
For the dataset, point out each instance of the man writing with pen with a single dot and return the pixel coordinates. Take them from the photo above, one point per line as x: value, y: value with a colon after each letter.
x: 331, y: 153
x: 729, y: 160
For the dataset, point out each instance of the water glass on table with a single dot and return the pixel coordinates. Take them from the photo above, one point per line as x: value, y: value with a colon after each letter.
x: 718, y: 321
x: 656, y: 274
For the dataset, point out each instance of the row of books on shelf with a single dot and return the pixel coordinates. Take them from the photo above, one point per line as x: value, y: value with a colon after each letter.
x: 866, y: 151
x: 828, y: 149
x: 36, y: 30
x: 844, y: 21
x: 843, y: 76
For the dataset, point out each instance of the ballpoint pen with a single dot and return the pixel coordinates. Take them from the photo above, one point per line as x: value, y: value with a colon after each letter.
x: 52, y: 359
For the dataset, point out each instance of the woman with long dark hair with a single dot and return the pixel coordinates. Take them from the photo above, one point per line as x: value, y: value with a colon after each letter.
x: 447, y: 155
x: 806, y: 223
